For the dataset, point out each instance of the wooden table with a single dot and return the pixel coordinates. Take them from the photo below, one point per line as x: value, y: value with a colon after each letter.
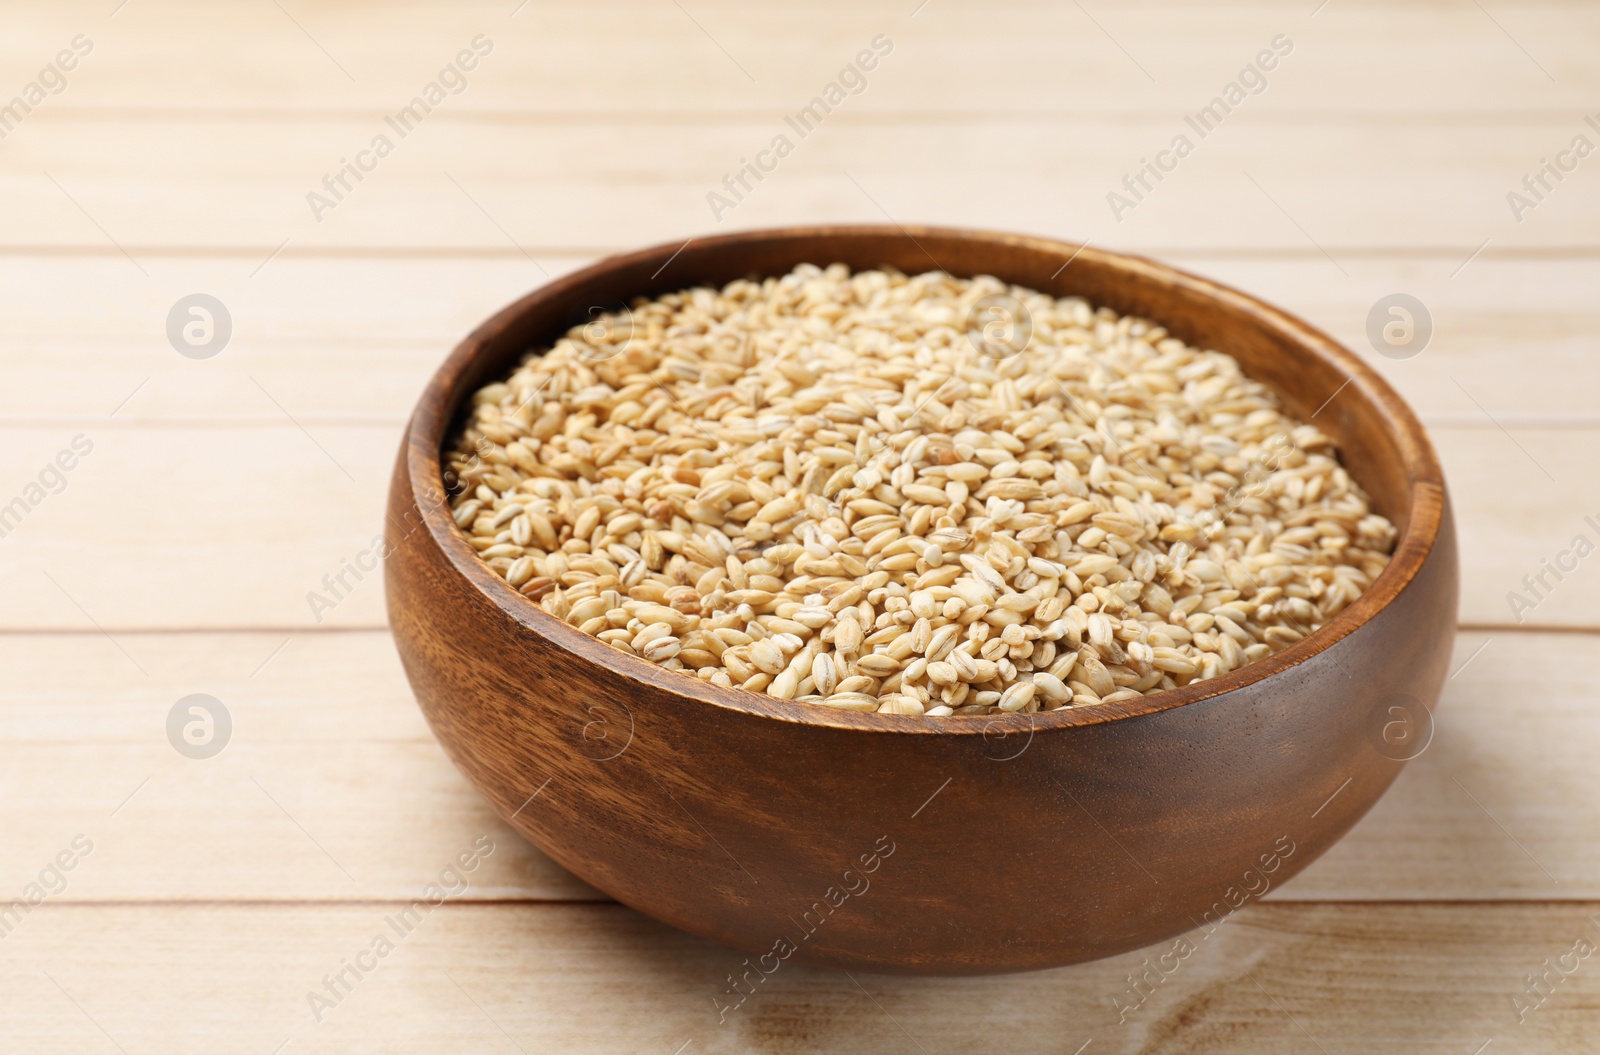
x: 212, y: 492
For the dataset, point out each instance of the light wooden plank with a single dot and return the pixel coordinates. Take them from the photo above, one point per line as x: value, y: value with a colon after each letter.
x: 220, y: 492
x: 1033, y: 56
x: 193, y: 527
x: 219, y: 526
x: 1277, y: 979
x: 346, y: 341
x: 1483, y: 810
x: 1514, y: 334
x: 1522, y: 505
x: 1494, y: 808
x: 329, y: 786
x: 336, y: 340
x: 1335, y: 181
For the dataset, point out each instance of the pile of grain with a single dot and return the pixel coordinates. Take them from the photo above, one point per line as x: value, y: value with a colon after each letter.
x: 912, y: 495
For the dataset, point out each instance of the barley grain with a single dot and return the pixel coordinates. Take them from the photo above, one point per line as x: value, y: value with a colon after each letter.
x: 816, y: 487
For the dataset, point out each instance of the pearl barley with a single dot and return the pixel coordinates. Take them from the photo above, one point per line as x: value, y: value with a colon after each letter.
x: 852, y: 490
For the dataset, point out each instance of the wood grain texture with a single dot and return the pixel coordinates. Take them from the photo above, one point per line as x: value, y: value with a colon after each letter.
x: 329, y: 727
x: 1034, y: 57
x: 175, y: 561
x: 330, y: 788
x: 1334, y: 181
x: 351, y: 340
x: 1279, y: 979
x: 1194, y: 786
x: 1391, y: 134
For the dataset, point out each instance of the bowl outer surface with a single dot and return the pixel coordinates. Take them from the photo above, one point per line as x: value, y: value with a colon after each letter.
x: 898, y: 844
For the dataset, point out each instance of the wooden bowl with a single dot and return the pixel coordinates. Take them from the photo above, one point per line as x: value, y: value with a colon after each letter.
x: 897, y: 843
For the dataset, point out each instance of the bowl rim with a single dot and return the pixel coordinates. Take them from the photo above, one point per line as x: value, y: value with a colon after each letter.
x: 437, y: 406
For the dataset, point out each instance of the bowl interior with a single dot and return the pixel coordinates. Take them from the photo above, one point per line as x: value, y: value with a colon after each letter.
x: 1380, y: 441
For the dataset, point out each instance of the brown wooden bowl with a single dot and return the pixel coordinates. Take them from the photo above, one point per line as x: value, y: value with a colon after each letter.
x: 897, y: 843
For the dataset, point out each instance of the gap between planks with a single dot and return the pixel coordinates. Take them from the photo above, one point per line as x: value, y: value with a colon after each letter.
x: 1452, y: 253
x: 600, y: 115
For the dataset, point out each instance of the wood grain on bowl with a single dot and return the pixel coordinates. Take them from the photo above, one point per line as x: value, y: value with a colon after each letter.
x: 895, y: 843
